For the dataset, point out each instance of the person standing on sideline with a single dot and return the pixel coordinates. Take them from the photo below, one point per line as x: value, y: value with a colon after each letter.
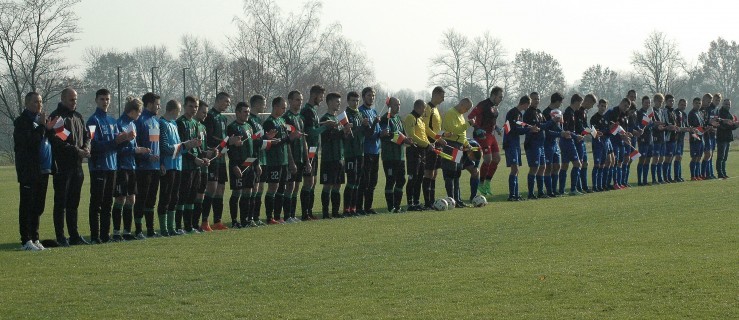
x: 682, y: 123
x: 125, y: 180
x: 299, y: 149
x: 33, y: 164
x: 552, y: 153
x: 569, y: 144
x: 354, y: 157
x: 215, y: 128
x: 724, y: 137
x: 313, y: 130
x: 258, y: 105
x: 393, y: 160
x: 455, y: 126
x: 187, y: 128
x: 278, y: 158
x: 103, y: 163
x: 432, y: 120
x: 485, y: 117
x: 416, y: 130
x: 147, y: 165
x: 332, y: 152
x: 695, y: 121
x: 371, y: 164
x: 534, y: 147
x: 205, y: 154
x: 645, y: 129
x: 512, y: 144
x: 68, y: 152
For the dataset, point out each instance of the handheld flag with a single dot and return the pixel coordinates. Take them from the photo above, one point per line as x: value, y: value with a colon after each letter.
x: 507, y: 127
x: 248, y: 162
x: 647, y: 118
x: 439, y: 135
x: 399, y: 138
x: 616, y: 130
x: 591, y: 131
x: 132, y: 128
x: 634, y: 154
x: 312, y: 152
x: 92, y: 131
x: 289, y: 127
x: 734, y: 118
x: 456, y: 155
x: 60, y: 131
x: 177, y: 149
x: 342, y: 119
x: 257, y: 135
x: 701, y: 130
x: 266, y: 144
x: 521, y: 123
x: 223, y: 143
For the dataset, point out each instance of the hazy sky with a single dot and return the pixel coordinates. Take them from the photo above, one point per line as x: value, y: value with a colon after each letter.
x: 400, y: 37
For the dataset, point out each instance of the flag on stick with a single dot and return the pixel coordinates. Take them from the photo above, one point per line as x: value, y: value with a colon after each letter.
x: 343, y: 120
x: 266, y: 144
x: 506, y: 127
x: 177, y: 149
x: 399, y: 138
x: 92, y: 131
x: 60, y: 130
x: 312, y: 152
x: 634, y: 154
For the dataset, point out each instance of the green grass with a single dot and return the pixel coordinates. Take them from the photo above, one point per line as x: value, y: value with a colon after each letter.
x: 651, y: 252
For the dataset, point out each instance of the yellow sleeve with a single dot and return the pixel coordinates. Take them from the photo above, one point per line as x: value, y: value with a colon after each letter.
x: 455, y: 124
x: 415, y: 131
x: 431, y: 118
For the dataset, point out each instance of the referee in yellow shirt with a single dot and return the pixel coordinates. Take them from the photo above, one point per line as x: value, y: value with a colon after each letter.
x: 455, y: 128
x: 415, y: 155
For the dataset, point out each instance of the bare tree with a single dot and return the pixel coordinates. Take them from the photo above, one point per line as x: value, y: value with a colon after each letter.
x: 448, y: 68
x: 166, y: 72
x: 601, y: 81
x: 101, y: 71
x: 344, y: 66
x: 32, y: 35
x: 537, y: 71
x: 489, y: 56
x: 720, y: 67
x: 659, y: 64
x: 293, y: 41
x: 202, y: 59
x: 252, y: 60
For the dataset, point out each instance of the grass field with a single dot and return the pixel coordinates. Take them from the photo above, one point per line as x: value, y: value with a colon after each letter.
x: 652, y: 252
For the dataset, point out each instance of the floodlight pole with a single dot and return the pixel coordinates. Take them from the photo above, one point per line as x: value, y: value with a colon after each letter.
x: 243, y: 85
x: 119, y: 90
x: 152, y: 78
x: 183, y: 84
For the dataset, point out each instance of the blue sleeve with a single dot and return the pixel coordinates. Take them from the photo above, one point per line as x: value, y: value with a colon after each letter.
x: 98, y: 145
x: 165, y: 146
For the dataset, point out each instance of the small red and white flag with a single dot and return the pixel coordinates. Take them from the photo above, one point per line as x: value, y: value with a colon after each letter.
x: 399, y: 138
x: 289, y: 127
x: 647, y: 119
x: 591, y: 131
x: 223, y: 143
x: 312, y: 152
x: 177, y: 149
x: 153, y: 133
x: 634, y: 154
x: 457, y: 155
x: 266, y: 144
x: 257, y: 135
x: 734, y: 118
x: 92, y: 131
x: 60, y: 131
x: 701, y: 130
x: 506, y: 127
x: 248, y: 162
x: 617, y: 129
x: 521, y: 123
x: 343, y: 120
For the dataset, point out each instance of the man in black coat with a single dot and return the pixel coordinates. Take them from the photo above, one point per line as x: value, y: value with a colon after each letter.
x: 69, y: 146
x: 33, y: 164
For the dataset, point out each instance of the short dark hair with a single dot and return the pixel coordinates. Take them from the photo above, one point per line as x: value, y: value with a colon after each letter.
x: 222, y: 95
x: 202, y: 104
x: 171, y: 105
x: 696, y: 99
x: 257, y: 98
x: 277, y: 101
x: 317, y: 89
x: 102, y: 92
x: 575, y: 98
x: 367, y: 90
x: 524, y: 100
x: 644, y: 98
x: 631, y: 91
x: 30, y: 95
x: 438, y: 90
x: 495, y: 91
x: 191, y: 99
x: 240, y: 106
x: 150, y: 97
x: 352, y: 94
x: 602, y: 101
x: 591, y: 97
x: 557, y: 97
x: 533, y: 94
x: 682, y: 100
x: 332, y: 96
x: 292, y: 94
x: 669, y: 96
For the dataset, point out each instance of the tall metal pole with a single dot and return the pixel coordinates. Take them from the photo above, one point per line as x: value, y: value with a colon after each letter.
x: 183, y: 85
x: 216, y: 81
x: 152, y: 78
x: 243, y: 85
x: 119, y: 90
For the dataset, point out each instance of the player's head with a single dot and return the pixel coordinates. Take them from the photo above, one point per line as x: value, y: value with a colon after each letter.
x: 576, y: 101
x: 726, y: 104
x: 202, y: 112
x: 368, y: 96
x: 33, y: 102
x: 333, y: 101
x: 534, y: 96
x: 102, y: 98
x: 133, y: 107
x: 658, y: 99
x: 437, y: 95
x: 151, y: 102
x: 173, y: 108
x: 279, y: 106
x: 496, y: 95
x: 707, y: 98
x: 524, y: 102
x: 419, y: 106
x: 682, y: 104
x: 191, y: 107
x: 352, y: 99
x: 69, y: 98
x: 631, y: 95
x: 602, y: 106
x: 669, y: 100
x: 624, y: 105
x: 295, y: 100
x: 393, y: 105
x: 223, y: 100
x: 716, y: 99
x: 464, y: 105
x: 242, y: 112
x: 645, y: 102
x: 589, y: 101
x: 696, y: 103
x: 258, y: 103
x: 556, y: 99
x: 316, y: 95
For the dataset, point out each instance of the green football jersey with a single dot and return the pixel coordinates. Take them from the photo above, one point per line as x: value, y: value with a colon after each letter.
x: 333, y: 141
x: 276, y: 154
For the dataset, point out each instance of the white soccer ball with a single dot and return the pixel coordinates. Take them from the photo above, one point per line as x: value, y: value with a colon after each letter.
x: 451, y: 203
x: 479, y: 201
x: 440, y: 205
